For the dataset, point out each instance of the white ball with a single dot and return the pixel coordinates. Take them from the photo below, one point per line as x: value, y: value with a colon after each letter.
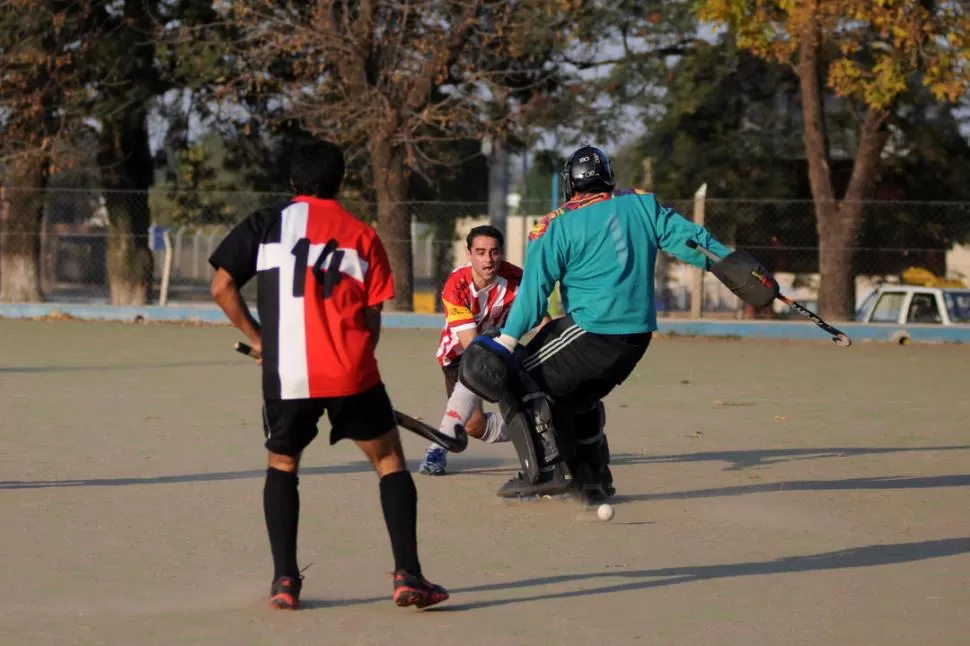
x: 605, y: 512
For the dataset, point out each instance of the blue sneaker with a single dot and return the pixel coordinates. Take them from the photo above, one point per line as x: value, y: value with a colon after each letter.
x: 435, y: 461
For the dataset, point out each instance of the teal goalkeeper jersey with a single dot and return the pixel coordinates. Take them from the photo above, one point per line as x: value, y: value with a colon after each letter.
x: 602, y: 249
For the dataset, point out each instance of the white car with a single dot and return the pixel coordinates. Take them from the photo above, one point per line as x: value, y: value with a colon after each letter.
x: 909, y: 304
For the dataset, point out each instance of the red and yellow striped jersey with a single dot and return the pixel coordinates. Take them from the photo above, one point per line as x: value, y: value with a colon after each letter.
x: 469, y: 308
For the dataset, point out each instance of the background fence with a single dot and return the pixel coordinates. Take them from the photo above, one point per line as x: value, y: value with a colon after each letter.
x: 72, y: 228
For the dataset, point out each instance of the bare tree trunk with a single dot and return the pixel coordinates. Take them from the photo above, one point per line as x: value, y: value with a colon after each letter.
x: 126, y: 168
x: 838, y: 224
x: 832, y: 256
x: 20, y: 231
x: 393, y: 221
x: 129, y: 259
x: 836, y: 298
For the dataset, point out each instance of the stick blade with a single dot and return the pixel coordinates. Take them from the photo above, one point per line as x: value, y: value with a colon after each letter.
x: 452, y: 444
x: 842, y: 340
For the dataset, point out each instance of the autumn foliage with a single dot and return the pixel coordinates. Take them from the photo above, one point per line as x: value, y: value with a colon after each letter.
x: 870, y: 53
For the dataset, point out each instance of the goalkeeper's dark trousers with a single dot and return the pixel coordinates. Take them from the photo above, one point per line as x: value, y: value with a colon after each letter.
x: 578, y: 369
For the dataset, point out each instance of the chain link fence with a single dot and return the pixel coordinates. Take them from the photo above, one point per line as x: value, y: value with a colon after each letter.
x: 66, y: 237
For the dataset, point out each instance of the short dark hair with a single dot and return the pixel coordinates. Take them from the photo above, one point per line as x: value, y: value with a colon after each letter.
x: 317, y: 169
x: 488, y: 231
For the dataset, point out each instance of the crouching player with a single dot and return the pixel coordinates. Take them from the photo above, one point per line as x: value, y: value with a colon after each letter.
x: 476, y: 297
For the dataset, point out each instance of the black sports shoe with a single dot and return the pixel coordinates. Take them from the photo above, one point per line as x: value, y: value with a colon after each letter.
x: 591, y: 472
x: 590, y: 489
x: 415, y: 590
x: 285, y: 593
x: 554, y: 482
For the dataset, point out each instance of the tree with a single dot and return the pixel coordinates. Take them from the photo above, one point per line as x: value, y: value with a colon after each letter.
x: 126, y: 74
x: 726, y: 121
x: 458, y: 189
x: 41, y: 91
x: 869, y: 53
x: 195, y: 188
x: 615, y: 66
x: 126, y: 82
x: 925, y: 165
x: 391, y: 80
x: 537, y: 183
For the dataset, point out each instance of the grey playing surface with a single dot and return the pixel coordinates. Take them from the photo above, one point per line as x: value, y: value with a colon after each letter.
x: 769, y: 493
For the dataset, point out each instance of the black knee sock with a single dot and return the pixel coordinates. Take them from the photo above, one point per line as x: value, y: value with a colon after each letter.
x: 399, y: 500
x: 281, y: 505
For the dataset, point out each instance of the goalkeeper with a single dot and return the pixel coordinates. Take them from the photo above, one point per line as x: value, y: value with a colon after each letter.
x: 601, y: 246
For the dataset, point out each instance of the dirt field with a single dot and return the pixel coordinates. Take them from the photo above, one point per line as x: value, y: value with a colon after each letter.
x: 769, y: 493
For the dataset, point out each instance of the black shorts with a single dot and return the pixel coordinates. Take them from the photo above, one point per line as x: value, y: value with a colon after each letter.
x: 579, y: 368
x: 451, y: 375
x: 291, y: 424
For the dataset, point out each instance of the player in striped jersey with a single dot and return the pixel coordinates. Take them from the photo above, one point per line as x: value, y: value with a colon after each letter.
x: 475, y: 298
x: 322, y: 277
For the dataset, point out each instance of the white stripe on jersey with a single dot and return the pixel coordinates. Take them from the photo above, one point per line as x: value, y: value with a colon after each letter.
x: 501, y: 286
x: 293, y: 370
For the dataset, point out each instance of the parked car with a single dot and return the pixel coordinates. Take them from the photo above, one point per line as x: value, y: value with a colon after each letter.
x: 909, y: 304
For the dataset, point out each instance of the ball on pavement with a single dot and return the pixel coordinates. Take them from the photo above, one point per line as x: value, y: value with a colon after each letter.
x: 604, y: 512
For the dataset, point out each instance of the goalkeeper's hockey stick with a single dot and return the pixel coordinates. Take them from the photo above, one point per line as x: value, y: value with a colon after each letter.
x: 454, y: 444
x: 838, y: 336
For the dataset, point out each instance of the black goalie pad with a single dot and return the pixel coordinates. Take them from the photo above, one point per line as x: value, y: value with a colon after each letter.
x: 746, y: 278
x: 518, y: 430
x: 530, y: 425
x: 485, y: 368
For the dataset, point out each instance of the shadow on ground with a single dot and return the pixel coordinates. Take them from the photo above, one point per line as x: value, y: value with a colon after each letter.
x: 888, y: 482
x: 736, y: 460
x: 858, y: 557
x: 740, y: 460
x: 359, y: 466
x: 498, y: 466
x: 631, y: 580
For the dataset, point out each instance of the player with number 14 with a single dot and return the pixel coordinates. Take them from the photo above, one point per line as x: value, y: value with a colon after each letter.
x: 322, y: 277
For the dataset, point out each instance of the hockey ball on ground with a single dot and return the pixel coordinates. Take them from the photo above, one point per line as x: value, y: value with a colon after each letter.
x: 605, y: 512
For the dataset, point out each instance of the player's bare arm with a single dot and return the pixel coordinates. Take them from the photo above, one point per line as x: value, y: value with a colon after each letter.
x: 465, y: 337
x: 231, y: 301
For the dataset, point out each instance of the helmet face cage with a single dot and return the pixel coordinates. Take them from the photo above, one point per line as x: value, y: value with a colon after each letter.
x: 586, y: 168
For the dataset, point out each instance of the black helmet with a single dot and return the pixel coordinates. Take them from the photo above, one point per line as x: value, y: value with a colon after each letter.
x: 588, y: 170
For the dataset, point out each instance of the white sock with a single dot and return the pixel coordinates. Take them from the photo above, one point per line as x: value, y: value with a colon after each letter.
x: 459, y: 410
x: 494, y: 429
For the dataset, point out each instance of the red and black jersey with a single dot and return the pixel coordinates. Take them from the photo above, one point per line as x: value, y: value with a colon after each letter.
x: 317, y: 269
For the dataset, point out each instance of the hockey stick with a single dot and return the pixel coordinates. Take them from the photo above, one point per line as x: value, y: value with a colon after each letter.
x: 838, y: 336
x: 453, y: 444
